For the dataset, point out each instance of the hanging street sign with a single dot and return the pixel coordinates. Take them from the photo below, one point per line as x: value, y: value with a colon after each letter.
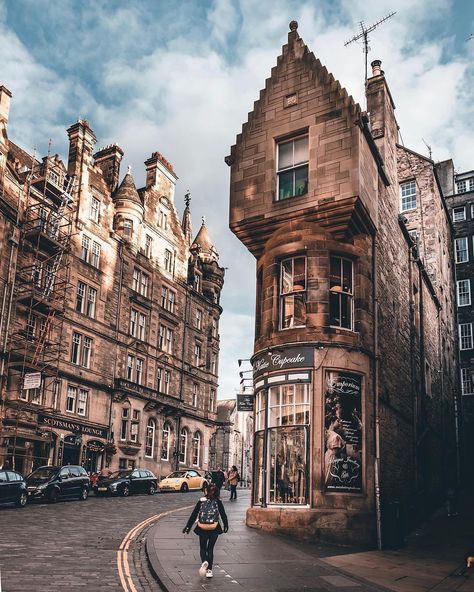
x: 245, y: 402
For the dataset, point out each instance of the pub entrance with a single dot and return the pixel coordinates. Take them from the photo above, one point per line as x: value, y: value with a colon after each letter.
x: 94, y: 453
x: 72, y: 450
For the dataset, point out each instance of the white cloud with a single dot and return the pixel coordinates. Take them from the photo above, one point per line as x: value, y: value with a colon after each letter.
x: 184, y: 83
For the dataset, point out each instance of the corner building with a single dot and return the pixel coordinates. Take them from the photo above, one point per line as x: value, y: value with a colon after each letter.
x: 110, y: 313
x: 355, y: 347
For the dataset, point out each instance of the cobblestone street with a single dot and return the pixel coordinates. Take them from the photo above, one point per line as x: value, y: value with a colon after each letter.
x: 73, y: 545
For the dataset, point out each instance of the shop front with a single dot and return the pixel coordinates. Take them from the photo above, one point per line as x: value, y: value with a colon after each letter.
x: 310, y: 477
x: 77, y: 443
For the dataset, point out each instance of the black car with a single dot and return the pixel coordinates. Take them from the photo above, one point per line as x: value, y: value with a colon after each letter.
x: 13, y: 488
x: 53, y: 483
x: 126, y: 482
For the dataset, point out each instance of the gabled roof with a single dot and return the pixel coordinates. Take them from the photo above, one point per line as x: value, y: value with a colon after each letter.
x: 296, y: 49
x: 127, y: 190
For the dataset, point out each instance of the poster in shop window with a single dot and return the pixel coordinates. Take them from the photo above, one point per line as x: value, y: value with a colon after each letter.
x: 343, y: 432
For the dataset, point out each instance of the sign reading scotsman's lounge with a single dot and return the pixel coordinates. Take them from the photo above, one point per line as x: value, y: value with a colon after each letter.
x: 282, y: 359
x: 72, y: 426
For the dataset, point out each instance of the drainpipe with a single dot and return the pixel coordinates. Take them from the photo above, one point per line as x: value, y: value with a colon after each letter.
x: 375, y: 382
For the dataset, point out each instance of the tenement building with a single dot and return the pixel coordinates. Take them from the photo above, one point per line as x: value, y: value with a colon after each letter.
x: 110, y: 313
x: 460, y: 197
x: 355, y: 343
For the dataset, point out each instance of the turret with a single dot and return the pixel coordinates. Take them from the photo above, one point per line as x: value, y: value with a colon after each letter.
x: 128, y: 209
x: 204, y: 270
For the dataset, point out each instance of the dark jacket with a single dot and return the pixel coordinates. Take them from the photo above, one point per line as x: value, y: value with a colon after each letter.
x: 218, y: 478
x: 195, y: 513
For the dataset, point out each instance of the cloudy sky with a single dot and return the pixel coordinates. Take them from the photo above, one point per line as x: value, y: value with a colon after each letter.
x: 180, y: 76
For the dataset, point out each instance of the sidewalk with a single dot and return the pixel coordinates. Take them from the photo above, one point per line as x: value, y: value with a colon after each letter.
x: 250, y: 560
x: 244, y: 559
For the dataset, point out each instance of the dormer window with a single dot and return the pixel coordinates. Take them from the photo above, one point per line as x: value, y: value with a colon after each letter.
x: 292, y: 167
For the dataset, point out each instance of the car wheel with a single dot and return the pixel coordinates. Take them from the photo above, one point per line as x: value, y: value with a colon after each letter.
x: 84, y: 494
x: 126, y: 491
x: 184, y: 488
x: 53, y: 496
x: 21, y: 501
x: 151, y: 489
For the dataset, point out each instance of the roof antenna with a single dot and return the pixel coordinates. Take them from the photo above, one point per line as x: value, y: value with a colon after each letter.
x: 428, y: 146
x: 471, y: 36
x: 364, y: 35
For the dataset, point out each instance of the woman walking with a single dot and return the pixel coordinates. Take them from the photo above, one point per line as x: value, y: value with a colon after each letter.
x: 233, y: 479
x: 208, y: 528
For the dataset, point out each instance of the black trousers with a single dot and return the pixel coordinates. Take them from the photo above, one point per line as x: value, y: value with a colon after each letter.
x: 206, y: 547
x: 233, y: 492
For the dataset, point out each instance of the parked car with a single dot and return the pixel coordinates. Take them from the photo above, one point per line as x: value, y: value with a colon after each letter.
x: 13, y: 488
x: 183, y: 480
x: 53, y: 483
x: 126, y: 482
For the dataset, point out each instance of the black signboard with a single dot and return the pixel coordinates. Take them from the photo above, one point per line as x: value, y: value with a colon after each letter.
x: 343, y: 433
x: 282, y: 359
x: 72, y: 426
x: 245, y: 402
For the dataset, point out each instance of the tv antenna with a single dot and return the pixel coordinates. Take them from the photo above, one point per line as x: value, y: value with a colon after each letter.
x: 471, y: 36
x: 364, y: 35
x: 428, y: 146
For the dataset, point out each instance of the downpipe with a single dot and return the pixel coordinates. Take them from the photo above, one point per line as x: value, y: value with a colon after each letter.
x: 375, y: 382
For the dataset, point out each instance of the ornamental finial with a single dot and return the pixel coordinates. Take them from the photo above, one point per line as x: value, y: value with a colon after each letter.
x: 187, y: 198
x: 293, y: 25
x: 129, y: 169
x: 203, y: 220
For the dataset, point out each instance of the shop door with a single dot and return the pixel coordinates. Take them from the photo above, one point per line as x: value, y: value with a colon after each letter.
x: 71, y: 454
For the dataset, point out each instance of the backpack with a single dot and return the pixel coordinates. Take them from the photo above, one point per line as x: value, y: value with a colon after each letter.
x: 208, y: 517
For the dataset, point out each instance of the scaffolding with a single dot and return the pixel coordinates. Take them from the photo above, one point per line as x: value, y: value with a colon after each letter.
x: 40, y: 297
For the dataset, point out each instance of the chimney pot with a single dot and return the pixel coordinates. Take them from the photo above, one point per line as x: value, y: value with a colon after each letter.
x: 376, y: 70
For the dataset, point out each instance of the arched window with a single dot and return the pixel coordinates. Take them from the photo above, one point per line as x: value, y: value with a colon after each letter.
x: 150, y: 438
x: 165, y: 442
x: 196, y: 449
x: 183, y: 445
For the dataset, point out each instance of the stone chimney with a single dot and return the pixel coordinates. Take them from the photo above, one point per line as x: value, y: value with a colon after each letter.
x: 383, y: 123
x: 81, y: 145
x: 108, y: 160
x: 159, y: 169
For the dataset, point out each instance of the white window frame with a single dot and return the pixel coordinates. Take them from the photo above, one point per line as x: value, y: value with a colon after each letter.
x: 168, y: 260
x: 95, y: 255
x: 86, y: 248
x: 198, y: 319
x: 462, y: 240
x: 463, y: 183
x: 94, y: 209
x: 196, y: 460
x: 406, y: 205
x: 460, y: 209
x: 183, y: 453
x: 466, y: 340
x: 165, y: 438
x: 459, y: 283
x: 71, y: 395
x: 466, y: 380
x: 291, y: 294
x: 81, y: 405
x: 293, y: 168
x: 150, y: 437
x: 195, y: 394
x: 148, y: 246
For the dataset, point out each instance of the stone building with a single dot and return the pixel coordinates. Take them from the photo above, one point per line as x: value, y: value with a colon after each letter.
x: 354, y: 362
x: 460, y: 197
x: 233, y: 440
x: 110, y: 313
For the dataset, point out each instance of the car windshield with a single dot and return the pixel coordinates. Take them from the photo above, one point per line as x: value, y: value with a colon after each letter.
x: 120, y: 474
x: 176, y: 474
x: 43, y: 473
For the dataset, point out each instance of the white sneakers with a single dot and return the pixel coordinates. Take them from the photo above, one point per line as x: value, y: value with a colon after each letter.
x: 203, y: 569
x: 209, y: 573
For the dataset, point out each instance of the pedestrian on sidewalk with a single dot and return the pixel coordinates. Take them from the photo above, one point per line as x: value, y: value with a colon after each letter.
x: 234, y: 479
x: 218, y: 478
x: 207, y: 512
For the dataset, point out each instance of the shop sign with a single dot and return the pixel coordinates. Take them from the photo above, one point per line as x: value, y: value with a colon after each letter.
x: 72, y: 426
x: 282, y: 359
x: 245, y: 402
x: 343, y: 433
x: 32, y: 380
x: 95, y: 446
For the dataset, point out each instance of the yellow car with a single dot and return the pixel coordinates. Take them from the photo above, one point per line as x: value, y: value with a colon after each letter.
x: 183, y: 481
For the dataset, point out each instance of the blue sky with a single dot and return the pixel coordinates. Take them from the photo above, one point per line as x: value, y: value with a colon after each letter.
x: 181, y: 76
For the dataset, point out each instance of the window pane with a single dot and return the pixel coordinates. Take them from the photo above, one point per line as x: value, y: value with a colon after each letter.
x: 287, y: 466
x: 334, y: 310
x: 258, y: 469
x: 299, y: 274
x: 347, y: 276
x: 301, y: 180
x: 346, y: 316
x: 287, y: 276
x: 299, y: 302
x: 285, y: 155
x: 301, y: 150
x: 285, y: 185
x: 335, y: 272
x: 287, y: 308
